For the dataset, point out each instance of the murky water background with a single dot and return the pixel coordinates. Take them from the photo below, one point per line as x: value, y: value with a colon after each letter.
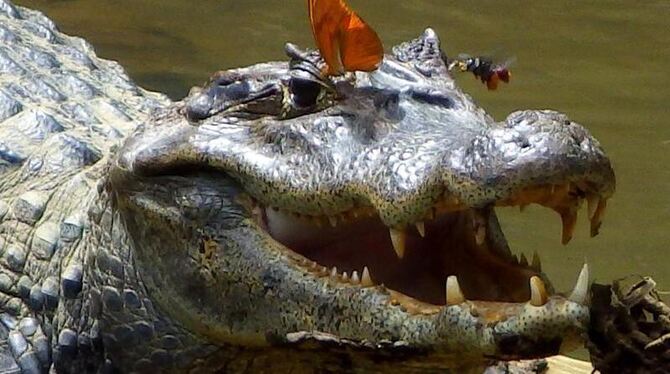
x: 606, y: 64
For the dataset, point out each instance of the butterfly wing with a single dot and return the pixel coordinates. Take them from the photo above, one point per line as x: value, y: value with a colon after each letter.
x: 345, y: 41
x: 360, y: 47
x: 325, y: 16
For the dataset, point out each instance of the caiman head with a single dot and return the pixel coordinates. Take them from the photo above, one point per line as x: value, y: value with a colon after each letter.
x: 271, y: 211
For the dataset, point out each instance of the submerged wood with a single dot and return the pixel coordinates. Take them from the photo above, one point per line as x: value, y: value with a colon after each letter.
x: 630, y: 328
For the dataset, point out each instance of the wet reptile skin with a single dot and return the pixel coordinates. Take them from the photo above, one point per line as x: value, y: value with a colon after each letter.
x: 127, y: 238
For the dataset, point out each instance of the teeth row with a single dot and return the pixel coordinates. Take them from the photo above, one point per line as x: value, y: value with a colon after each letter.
x: 595, y: 209
x: 538, y: 291
x: 334, y: 220
x: 565, y: 200
x: 363, y: 279
x: 454, y: 294
x: 557, y: 200
x: 399, y: 234
x: 535, y: 262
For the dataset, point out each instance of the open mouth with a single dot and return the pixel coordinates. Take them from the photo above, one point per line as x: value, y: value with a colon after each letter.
x: 455, y: 253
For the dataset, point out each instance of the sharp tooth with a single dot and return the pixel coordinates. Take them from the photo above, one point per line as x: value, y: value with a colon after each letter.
x: 421, y: 228
x: 333, y: 271
x: 569, y: 220
x: 345, y: 276
x: 523, y: 261
x: 479, y: 225
x: 398, y: 240
x: 536, y: 263
x: 581, y: 289
x: 332, y: 220
x: 366, y: 281
x: 538, y: 292
x: 354, y: 213
x: 591, y: 204
x: 480, y: 235
x: 354, y: 277
x: 454, y: 293
x: 597, y: 218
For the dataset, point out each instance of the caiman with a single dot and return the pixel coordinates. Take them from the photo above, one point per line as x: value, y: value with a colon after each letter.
x: 273, y: 221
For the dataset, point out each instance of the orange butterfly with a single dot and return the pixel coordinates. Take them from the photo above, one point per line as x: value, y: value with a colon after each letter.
x: 345, y: 41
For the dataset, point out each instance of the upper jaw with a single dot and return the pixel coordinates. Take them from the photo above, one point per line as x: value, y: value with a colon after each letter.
x: 392, y: 145
x: 534, y: 157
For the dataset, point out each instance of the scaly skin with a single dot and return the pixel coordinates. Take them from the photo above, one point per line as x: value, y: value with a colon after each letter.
x: 160, y: 254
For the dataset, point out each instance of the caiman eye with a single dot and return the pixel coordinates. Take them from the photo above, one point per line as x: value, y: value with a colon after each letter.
x: 305, y: 92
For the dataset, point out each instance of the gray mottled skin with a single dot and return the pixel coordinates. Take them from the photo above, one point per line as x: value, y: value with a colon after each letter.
x: 128, y: 235
x: 61, y: 109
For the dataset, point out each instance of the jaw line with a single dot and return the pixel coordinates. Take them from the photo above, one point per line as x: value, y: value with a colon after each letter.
x: 472, y: 272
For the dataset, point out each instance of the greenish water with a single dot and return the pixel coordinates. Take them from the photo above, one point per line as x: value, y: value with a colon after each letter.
x: 603, y: 63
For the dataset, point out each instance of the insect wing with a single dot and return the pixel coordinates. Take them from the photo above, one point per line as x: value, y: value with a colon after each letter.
x: 504, y: 75
x: 344, y: 40
x: 325, y: 16
x: 502, y: 70
x: 360, y: 47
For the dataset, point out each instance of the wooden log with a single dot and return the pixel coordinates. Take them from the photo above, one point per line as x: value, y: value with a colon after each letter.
x: 567, y: 365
